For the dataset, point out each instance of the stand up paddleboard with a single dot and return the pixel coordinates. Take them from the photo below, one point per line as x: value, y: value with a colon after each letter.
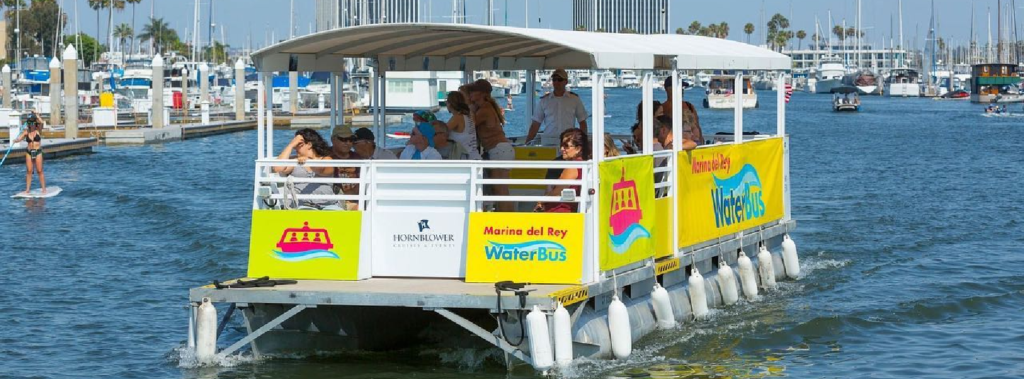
x: 51, y: 191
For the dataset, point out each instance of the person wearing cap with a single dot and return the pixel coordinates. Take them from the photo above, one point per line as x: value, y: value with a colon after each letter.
x: 366, y: 146
x: 491, y: 134
x: 557, y: 111
x: 421, y: 144
x: 689, y: 111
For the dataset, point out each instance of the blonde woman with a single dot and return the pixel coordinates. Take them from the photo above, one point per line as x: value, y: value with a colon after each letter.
x: 609, y: 147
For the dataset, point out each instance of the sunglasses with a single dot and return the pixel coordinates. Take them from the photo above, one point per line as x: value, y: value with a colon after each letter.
x: 557, y: 79
x: 349, y: 139
x: 568, y: 145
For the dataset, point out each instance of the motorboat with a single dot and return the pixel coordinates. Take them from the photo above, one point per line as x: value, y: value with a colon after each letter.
x: 628, y: 79
x: 864, y: 80
x: 996, y: 83
x: 721, y: 93
x: 845, y: 99
x: 903, y: 83
x: 830, y: 74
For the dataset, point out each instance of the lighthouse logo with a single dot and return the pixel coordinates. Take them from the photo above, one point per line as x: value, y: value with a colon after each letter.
x: 626, y: 214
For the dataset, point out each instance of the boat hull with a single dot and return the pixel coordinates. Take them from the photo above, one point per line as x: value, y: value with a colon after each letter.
x: 903, y: 90
x: 1001, y: 98
x: 729, y: 101
x: 826, y: 86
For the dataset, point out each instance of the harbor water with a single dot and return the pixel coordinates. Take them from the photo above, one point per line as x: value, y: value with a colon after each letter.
x: 910, y: 230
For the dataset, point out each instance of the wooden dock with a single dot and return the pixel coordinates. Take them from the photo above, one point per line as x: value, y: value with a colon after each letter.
x: 52, y: 148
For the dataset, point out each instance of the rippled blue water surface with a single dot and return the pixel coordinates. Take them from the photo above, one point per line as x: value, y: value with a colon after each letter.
x: 910, y: 231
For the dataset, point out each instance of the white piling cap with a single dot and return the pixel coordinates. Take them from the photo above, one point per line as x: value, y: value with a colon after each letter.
x: 6, y: 69
x: 204, y: 68
x: 239, y: 65
x: 158, y: 61
x: 54, y: 63
x: 70, y: 53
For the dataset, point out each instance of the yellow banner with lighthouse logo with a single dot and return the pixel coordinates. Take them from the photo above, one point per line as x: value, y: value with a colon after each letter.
x: 728, y: 188
x: 627, y: 211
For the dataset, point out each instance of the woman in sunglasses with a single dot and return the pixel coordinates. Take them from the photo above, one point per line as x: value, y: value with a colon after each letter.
x: 308, y: 145
x: 574, y: 147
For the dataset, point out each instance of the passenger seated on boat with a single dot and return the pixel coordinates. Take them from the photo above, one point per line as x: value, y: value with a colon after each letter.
x: 341, y: 149
x: 609, y: 146
x: 689, y: 111
x: 449, y: 149
x: 575, y: 147
x: 490, y: 130
x: 366, y: 146
x: 635, y: 146
x: 663, y: 126
x: 308, y: 145
x: 421, y: 144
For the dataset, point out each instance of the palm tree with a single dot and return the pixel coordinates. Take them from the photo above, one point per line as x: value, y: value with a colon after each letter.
x: 710, y: 31
x: 839, y: 32
x: 158, y: 31
x: 694, y: 27
x: 133, y: 2
x: 749, y: 29
x: 96, y: 5
x: 680, y: 31
x: 123, y: 32
x: 111, y: 5
x: 723, y: 30
x: 800, y: 35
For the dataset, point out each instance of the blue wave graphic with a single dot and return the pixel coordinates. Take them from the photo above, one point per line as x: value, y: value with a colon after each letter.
x: 529, y: 246
x: 305, y: 255
x: 622, y: 242
x: 746, y: 176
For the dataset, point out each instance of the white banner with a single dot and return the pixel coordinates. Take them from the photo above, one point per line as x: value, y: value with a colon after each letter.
x: 419, y: 244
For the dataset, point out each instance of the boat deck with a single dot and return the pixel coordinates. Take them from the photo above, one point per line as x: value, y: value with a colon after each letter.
x: 382, y: 292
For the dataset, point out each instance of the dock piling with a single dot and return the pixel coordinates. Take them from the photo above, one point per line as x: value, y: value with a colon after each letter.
x: 71, y: 93
x: 204, y: 83
x: 156, y: 109
x: 7, y: 86
x: 293, y: 91
x: 240, y: 90
x: 54, y: 91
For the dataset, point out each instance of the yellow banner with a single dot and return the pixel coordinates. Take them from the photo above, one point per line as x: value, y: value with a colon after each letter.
x: 728, y: 188
x: 627, y: 211
x: 541, y: 248
x: 663, y: 232
x: 300, y: 244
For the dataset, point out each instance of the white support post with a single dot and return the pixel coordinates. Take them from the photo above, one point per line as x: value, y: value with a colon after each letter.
x: 677, y: 122
x: 531, y: 94
x: 737, y: 94
x: 647, y: 118
x: 383, y: 114
x: 334, y: 101
x: 781, y: 131
x: 269, y: 90
x: 261, y: 121
x: 597, y: 115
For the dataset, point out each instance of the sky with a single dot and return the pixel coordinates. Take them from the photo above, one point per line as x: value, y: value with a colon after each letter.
x: 260, y: 20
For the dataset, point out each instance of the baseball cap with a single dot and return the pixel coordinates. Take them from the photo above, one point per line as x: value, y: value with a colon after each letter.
x: 668, y: 83
x: 364, y: 134
x: 427, y: 116
x: 560, y: 73
x: 341, y: 131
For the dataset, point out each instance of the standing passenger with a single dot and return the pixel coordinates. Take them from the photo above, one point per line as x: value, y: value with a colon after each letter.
x: 557, y: 111
x: 490, y: 130
x: 461, y: 127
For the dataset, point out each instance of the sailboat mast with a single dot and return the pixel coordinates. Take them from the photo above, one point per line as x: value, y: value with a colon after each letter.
x: 999, y: 31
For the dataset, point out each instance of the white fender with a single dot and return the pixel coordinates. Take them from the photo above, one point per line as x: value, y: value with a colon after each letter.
x: 790, y: 260
x: 206, y: 332
x: 618, y: 326
x: 727, y: 282
x: 747, y: 279
x: 540, y: 340
x: 563, y: 336
x: 698, y: 298
x: 662, y: 307
x: 764, y: 261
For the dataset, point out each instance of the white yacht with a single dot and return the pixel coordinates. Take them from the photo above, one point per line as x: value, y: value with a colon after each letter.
x: 830, y: 75
x: 583, y: 80
x: 903, y: 83
x: 629, y: 79
x: 610, y: 81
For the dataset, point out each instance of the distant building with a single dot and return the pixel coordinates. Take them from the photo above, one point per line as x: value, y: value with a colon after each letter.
x: 331, y: 14
x: 639, y: 16
x: 875, y: 59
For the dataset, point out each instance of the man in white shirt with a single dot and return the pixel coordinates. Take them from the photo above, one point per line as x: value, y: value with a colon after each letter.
x: 367, y: 148
x: 557, y: 111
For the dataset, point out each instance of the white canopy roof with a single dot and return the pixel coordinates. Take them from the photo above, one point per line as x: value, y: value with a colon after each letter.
x: 461, y: 47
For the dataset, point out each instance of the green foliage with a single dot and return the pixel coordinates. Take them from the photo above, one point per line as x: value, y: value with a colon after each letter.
x: 680, y: 31
x: 217, y: 53
x: 87, y: 51
x: 777, y: 33
x: 748, y: 29
x: 163, y: 36
x: 39, y: 27
x: 694, y: 27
